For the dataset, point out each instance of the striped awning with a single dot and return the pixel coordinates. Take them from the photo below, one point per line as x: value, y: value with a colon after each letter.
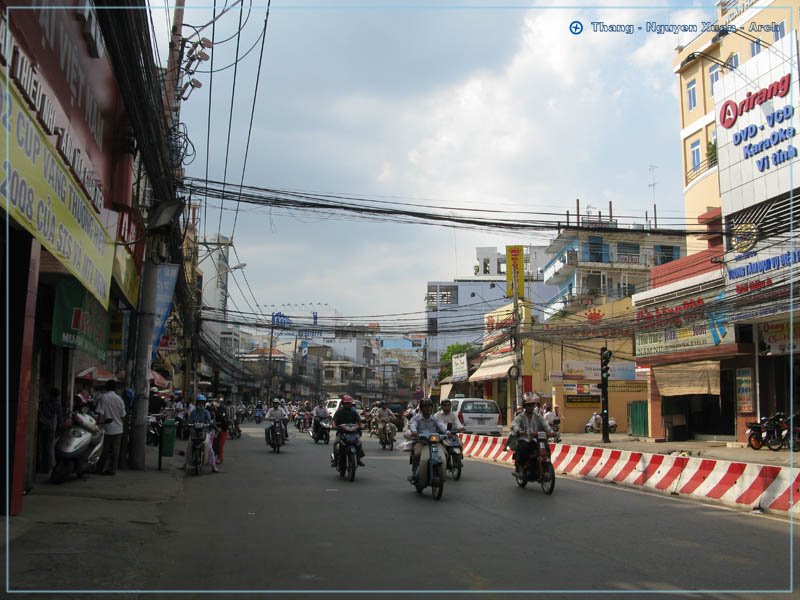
x: 493, y: 368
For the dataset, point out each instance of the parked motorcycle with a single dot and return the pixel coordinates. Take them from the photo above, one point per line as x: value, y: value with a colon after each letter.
x: 345, y: 450
x: 273, y: 435
x: 758, y: 433
x: 787, y: 434
x: 259, y: 415
x: 386, y: 436
x: 595, y: 424
x: 78, y: 448
x: 321, y: 430
x: 454, y: 453
x: 538, y: 467
x: 198, y: 434
x: 430, y: 471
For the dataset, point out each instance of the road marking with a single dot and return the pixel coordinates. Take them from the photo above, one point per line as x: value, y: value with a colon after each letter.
x: 331, y: 490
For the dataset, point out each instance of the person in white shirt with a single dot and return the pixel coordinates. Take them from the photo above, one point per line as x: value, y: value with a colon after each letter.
x: 525, y: 426
x: 385, y: 418
x: 423, y: 422
x: 448, y: 417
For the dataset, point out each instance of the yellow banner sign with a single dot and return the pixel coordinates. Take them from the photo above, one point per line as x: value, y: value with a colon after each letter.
x: 40, y: 194
x: 515, y: 266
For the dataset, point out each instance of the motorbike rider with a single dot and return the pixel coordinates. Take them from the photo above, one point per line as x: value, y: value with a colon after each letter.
x: 423, y: 422
x: 276, y: 413
x: 385, y: 418
x: 320, y: 413
x: 345, y: 415
x: 201, y: 415
x: 527, y: 424
x: 448, y: 417
x: 285, y: 420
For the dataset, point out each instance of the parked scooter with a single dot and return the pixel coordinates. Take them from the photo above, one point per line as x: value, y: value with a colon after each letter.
x: 273, y: 435
x: 154, y: 423
x: 345, y: 450
x: 430, y: 471
x: 321, y: 430
x: 595, y: 424
x: 78, y: 448
x: 788, y: 432
x: 538, y: 467
x: 453, y: 448
x: 198, y: 434
x: 765, y: 431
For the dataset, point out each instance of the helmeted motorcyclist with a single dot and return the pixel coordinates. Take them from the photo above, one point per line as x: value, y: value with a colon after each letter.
x: 448, y: 417
x: 525, y: 426
x: 423, y: 422
x: 385, y: 418
x: 347, y: 414
x: 201, y: 415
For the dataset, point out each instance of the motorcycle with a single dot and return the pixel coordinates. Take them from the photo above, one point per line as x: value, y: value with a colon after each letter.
x: 259, y: 415
x: 765, y: 431
x: 595, y: 424
x: 300, y: 421
x: 198, y: 434
x: 78, y: 448
x: 430, y: 470
x: 386, y: 435
x: 273, y: 435
x: 787, y: 434
x: 345, y: 450
x: 248, y: 415
x: 320, y: 430
x: 454, y: 454
x: 234, y: 430
x: 154, y: 423
x: 538, y: 467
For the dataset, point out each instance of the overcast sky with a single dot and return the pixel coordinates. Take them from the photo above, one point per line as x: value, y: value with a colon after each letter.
x: 459, y: 104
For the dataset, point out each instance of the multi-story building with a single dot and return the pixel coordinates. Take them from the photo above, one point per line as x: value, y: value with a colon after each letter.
x: 592, y: 268
x: 455, y: 309
x: 717, y: 330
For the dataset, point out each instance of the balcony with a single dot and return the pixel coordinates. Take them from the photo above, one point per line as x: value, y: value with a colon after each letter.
x: 560, y: 268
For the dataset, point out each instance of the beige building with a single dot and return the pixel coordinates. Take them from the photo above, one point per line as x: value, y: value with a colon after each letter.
x: 744, y: 29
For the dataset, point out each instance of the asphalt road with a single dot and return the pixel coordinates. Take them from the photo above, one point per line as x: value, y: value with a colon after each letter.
x: 287, y: 522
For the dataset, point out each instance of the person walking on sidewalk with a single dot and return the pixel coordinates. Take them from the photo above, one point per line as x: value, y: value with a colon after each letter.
x: 110, y: 412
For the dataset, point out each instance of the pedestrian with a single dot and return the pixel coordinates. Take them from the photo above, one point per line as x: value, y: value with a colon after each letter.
x: 223, y: 424
x: 110, y: 412
x: 50, y: 417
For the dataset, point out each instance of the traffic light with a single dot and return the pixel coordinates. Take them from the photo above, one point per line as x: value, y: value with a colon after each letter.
x: 605, y: 358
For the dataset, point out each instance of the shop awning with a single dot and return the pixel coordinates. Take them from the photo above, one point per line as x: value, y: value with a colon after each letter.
x: 495, y: 368
x: 445, y: 390
x: 688, y: 378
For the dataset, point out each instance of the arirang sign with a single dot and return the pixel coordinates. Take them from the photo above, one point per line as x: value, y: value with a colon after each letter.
x: 757, y: 128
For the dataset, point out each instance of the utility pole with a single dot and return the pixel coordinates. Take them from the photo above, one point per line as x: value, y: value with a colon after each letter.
x: 517, y: 341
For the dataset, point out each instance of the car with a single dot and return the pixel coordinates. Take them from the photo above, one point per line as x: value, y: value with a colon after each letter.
x: 333, y: 405
x: 479, y: 415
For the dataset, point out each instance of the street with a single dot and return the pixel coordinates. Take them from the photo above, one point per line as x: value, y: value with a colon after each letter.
x: 287, y: 522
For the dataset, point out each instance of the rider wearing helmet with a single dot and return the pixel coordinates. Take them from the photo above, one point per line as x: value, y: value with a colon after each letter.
x: 448, y: 417
x: 346, y: 414
x: 201, y: 415
x: 423, y: 422
x: 525, y: 426
x: 275, y: 412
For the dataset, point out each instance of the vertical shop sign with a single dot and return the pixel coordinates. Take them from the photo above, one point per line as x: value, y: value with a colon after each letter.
x: 79, y: 321
x: 744, y: 390
x: 515, y: 266
x: 166, y: 275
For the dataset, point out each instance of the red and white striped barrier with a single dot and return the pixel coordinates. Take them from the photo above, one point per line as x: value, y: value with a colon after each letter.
x: 734, y: 483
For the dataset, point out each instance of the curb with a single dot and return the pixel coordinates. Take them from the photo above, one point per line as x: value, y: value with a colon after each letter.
x: 738, y: 484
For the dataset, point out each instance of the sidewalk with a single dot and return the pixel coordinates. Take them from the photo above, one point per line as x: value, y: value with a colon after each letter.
x: 136, y: 494
x: 730, y: 451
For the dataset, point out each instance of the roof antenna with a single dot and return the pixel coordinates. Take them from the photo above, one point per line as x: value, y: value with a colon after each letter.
x: 653, y: 184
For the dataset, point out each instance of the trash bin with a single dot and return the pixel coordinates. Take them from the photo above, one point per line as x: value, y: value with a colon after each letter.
x: 168, y: 430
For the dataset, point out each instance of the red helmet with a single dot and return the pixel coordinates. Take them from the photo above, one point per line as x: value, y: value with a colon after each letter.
x: 347, y: 399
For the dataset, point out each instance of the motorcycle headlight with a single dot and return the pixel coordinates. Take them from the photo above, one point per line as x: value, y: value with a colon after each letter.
x: 434, y: 438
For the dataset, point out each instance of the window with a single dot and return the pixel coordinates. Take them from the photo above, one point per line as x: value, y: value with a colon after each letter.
x: 779, y: 31
x: 733, y: 61
x: 755, y: 47
x: 695, y: 149
x: 665, y: 254
x: 691, y: 94
x: 713, y: 76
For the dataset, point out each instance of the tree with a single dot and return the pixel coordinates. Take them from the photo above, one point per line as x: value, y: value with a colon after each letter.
x: 447, y: 357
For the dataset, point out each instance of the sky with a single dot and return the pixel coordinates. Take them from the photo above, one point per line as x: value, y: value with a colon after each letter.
x: 452, y: 104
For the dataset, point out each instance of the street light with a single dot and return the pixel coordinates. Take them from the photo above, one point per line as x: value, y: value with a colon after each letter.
x: 224, y: 272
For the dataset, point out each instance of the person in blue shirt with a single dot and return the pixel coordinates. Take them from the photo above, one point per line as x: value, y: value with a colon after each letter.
x: 201, y: 415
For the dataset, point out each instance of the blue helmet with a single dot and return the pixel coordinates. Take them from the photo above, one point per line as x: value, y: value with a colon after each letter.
x: 201, y: 397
